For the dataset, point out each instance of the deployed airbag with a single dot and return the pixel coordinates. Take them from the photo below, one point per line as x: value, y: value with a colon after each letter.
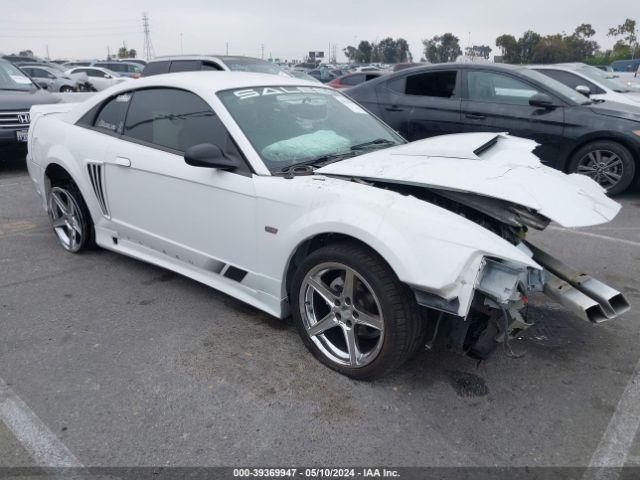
x: 322, y: 142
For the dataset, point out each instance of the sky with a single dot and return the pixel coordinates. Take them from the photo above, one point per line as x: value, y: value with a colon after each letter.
x: 288, y: 29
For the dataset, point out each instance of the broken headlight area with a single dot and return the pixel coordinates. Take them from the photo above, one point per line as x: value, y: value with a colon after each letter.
x: 501, y: 295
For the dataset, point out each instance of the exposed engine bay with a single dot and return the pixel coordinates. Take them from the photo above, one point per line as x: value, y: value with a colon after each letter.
x: 498, y: 311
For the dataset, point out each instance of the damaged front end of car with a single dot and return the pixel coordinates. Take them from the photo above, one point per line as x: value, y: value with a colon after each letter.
x: 502, y: 288
x: 496, y: 182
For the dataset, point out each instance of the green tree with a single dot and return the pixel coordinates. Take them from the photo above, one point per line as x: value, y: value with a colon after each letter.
x: 629, y: 35
x: 442, y: 48
x: 124, y: 52
x: 526, y: 45
x: 578, y: 44
x: 402, y: 51
x: 478, y: 51
x: 365, y: 50
x: 350, y: 52
x: 550, y: 49
x: 509, y: 48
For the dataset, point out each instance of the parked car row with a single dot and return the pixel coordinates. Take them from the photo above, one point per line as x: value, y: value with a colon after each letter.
x: 597, y: 138
x: 18, y: 93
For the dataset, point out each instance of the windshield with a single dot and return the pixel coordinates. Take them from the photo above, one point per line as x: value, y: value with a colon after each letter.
x: 605, y: 79
x: 253, y: 65
x: 556, y: 86
x: 294, y: 125
x: 11, y: 78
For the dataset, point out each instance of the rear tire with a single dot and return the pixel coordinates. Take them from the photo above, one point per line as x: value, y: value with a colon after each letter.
x: 607, y: 162
x: 353, y: 313
x: 70, y: 218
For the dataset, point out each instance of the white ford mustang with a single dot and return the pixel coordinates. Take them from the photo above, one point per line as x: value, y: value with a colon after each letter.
x: 292, y: 198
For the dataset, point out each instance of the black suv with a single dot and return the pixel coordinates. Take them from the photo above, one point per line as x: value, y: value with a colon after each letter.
x: 597, y: 138
x: 17, y: 95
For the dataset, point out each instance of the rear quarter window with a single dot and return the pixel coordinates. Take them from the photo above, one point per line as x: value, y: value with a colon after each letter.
x: 110, y: 118
x: 155, y: 68
x: 185, y: 65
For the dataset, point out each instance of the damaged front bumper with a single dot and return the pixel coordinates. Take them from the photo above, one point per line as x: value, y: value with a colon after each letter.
x: 502, y: 289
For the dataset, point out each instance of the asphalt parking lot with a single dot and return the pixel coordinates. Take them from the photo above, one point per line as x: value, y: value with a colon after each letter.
x: 128, y: 364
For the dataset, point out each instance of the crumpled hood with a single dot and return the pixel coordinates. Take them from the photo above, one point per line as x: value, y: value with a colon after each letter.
x: 490, y: 164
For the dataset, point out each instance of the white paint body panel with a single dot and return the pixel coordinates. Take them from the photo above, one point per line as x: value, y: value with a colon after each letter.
x: 508, y: 171
x: 199, y: 222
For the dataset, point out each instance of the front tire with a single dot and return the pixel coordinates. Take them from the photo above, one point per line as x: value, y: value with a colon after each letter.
x: 608, y: 163
x: 70, y: 218
x: 353, y: 313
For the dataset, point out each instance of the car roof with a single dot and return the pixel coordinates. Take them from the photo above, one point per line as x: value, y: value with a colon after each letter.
x: 218, y: 81
x: 562, y: 66
x: 201, y: 83
x: 104, y: 62
x: 223, y: 58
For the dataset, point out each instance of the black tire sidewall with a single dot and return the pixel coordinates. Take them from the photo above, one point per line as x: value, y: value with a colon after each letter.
x: 86, y: 222
x: 629, y: 166
x: 396, y: 347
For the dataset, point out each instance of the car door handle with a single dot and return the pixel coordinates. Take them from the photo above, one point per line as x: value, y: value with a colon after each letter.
x: 475, y: 116
x: 123, y: 162
x: 394, y: 108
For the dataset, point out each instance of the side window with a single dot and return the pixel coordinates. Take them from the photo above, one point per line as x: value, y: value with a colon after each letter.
x: 210, y: 66
x: 92, y: 72
x: 353, y: 79
x: 110, y: 118
x: 397, y: 84
x: 185, y: 65
x: 432, y: 84
x: 571, y: 80
x: 174, y: 119
x: 498, y: 88
x: 155, y: 68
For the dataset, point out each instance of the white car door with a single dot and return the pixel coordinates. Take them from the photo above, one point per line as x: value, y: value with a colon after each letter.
x: 203, y: 217
x: 98, y: 78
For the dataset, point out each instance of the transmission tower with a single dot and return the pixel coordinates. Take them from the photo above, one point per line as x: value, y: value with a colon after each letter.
x: 147, y: 48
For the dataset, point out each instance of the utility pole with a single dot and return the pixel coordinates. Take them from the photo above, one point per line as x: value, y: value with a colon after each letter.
x: 48, y: 56
x: 181, y: 47
x: 227, y: 48
x: 147, y: 48
x: 262, y: 50
x: 108, y: 53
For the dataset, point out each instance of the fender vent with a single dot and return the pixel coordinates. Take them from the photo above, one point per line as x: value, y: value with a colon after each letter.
x: 97, y: 182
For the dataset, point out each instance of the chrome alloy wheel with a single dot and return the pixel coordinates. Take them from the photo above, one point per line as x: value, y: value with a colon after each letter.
x: 604, y: 166
x: 341, y: 314
x: 66, y: 219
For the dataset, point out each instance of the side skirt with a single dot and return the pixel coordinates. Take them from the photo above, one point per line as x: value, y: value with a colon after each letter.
x: 226, y: 284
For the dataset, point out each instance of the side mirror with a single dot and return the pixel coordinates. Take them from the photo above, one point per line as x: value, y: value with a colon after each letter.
x: 584, y: 90
x: 541, y: 100
x: 208, y: 155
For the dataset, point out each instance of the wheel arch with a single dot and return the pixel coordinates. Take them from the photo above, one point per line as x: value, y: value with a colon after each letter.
x: 604, y: 137
x: 313, y: 243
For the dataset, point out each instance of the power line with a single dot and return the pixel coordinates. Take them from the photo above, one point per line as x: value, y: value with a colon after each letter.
x: 147, y: 48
